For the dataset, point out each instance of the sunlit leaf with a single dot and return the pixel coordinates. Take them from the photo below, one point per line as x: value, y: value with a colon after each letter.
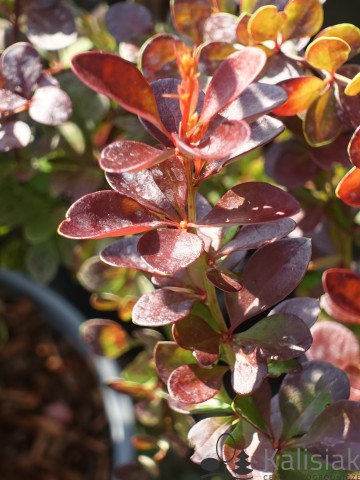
x: 306, y: 308
x: 158, y: 57
x: 265, y: 23
x: 10, y: 101
x: 250, y: 369
x: 189, y: 17
x: 347, y: 32
x: 242, y: 33
x: 354, y: 148
x: 353, y: 88
x: 14, y: 135
x: 134, y: 389
x: 327, y: 53
x: 50, y: 106
x: 168, y: 356
x: 348, y: 190
x: 212, y: 54
x: 220, y: 27
x: 301, y: 93
x: 302, y: 19
x: 123, y: 253
x: 224, y: 280
x: 105, y: 337
x: 128, y: 21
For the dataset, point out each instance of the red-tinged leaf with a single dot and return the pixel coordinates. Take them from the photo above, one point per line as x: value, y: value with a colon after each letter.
x: 242, y: 33
x: 158, y: 57
x: 354, y: 148
x: 335, y: 153
x: 212, y: 54
x: 353, y: 88
x: 348, y: 190
x: 225, y: 281
x: 129, y: 156
x: 14, y: 135
x: 220, y: 27
x: 10, y: 101
x: 120, y: 80
x: 205, y: 434
x: 288, y: 163
x: 238, y: 70
x: 345, y: 31
x: 250, y: 203
x: 168, y: 356
x: 255, y: 236
x: 301, y: 93
x: 279, y: 68
x: 221, y: 141
x: 162, y: 307
x: 271, y: 274
x: 250, y: 370
x: 52, y: 28
x: 334, y: 343
x: 327, y: 53
x: 338, y: 437
x: 342, y: 288
x: 123, y: 253
x: 50, y: 106
x: 169, y: 250
x: 280, y: 337
x: 322, y: 124
x: 21, y: 68
x: 302, y: 19
x: 193, y: 333
x: 303, y: 396
x: 128, y: 21
x: 354, y: 377
x: 258, y: 99
x: 133, y: 389
x: 189, y: 17
x: 212, y: 237
x: 194, y: 384
x: 105, y: 337
x: 154, y: 188
x: 265, y: 24
x: 305, y: 308
x: 348, y: 106
x: 107, y: 214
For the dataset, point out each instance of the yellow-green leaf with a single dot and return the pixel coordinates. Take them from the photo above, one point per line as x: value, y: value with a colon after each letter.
x: 302, y: 92
x: 327, y: 53
x: 345, y: 31
x: 353, y: 88
x: 266, y: 23
x: 304, y: 19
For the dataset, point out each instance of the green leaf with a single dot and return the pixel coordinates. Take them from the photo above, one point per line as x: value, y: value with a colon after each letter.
x: 245, y: 406
x: 74, y: 136
x: 42, y: 261
x: 277, y: 368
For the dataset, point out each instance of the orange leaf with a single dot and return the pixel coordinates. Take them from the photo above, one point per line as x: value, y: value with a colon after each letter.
x: 302, y: 92
x: 242, y: 33
x: 348, y: 189
x: 327, y: 53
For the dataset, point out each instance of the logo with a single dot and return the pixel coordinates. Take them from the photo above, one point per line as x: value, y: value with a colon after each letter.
x: 243, y: 468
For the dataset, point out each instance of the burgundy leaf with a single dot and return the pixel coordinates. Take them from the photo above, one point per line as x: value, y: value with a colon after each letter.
x: 222, y: 141
x: 193, y: 333
x: 168, y: 356
x: 226, y: 281
x: 50, y: 106
x: 349, y: 108
x: 128, y: 156
x: 262, y: 131
x: 46, y: 80
x: 250, y: 369
x: 158, y: 58
x: 213, y: 236
x: 205, y: 434
x: 304, y: 395
x: 212, y: 54
x: 123, y: 253
x: 10, y: 101
x: 120, y: 80
x: 305, y: 308
x: 270, y: 275
x: 220, y: 27
x: 335, y: 433
x: 107, y: 214
x: 21, y: 68
x: 334, y: 343
x: 169, y: 250
x: 331, y: 155
x: 128, y: 21
x: 14, y: 135
x: 162, y: 307
x: 154, y: 188
x: 279, y: 68
x: 256, y: 100
x: 342, y: 294
x: 250, y: 203
x: 255, y: 236
x: 280, y: 337
x: 354, y: 148
x: 230, y: 80
x: 52, y: 28
x: 193, y: 384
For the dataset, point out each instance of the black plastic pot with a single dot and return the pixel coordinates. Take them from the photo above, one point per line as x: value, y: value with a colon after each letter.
x: 66, y: 319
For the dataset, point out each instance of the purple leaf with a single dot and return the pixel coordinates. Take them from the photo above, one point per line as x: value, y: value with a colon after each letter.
x: 168, y: 356
x: 230, y: 80
x: 194, y: 384
x: 220, y: 27
x: 14, y: 135
x: 270, y: 275
x: 128, y: 21
x: 21, y: 68
x: 250, y: 369
x: 10, y: 101
x: 303, y: 396
x: 354, y: 148
x: 305, y: 308
x: 250, y: 203
x: 212, y: 54
x: 169, y: 250
x: 52, y: 28
x: 162, y: 307
x: 50, y: 106
x: 107, y: 214
x: 128, y: 156
x: 255, y: 236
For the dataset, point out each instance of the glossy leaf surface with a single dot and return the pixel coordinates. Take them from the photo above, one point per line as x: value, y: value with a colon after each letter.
x: 105, y: 337
x: 224, y: 280
x: 10, y: 101
x: 162, y: 307
x: 158, y: 57
x: 353, y: 88
x: 327, y: 53
x: 345, y: 31
x: 250, y: 370
x: 128, y: 21
x: 354, y: 148
x: 220, y: 27
x: 266, y: 23
x: 302, y: 19
x: 212, y: 54
x: 301, y: 93
x: 349, y: 188
x: 205, y: 434
x: 305, y: 308
x: 342, y: 288
x: 50, y: 106
x: 168, y: 356
x: 14, y: 135
x: 123, y: 253
x: 189, y: 17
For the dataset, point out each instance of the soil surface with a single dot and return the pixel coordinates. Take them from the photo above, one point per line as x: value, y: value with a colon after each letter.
x: 52, y: 422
